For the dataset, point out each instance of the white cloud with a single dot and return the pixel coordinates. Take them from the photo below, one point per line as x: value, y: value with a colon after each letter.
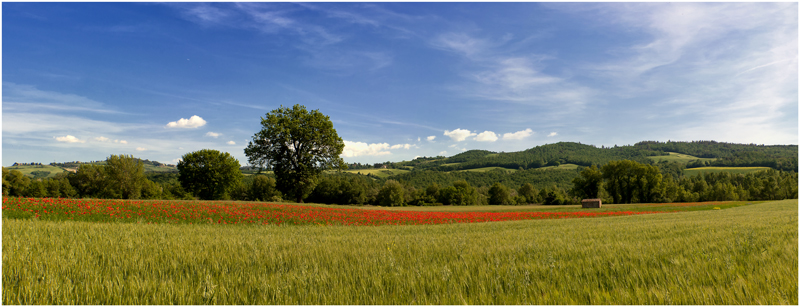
x: 404, y: 146
x: 552, y: 134
x: 518, y: 135
x: 193, y: 122
x: 101, y: 139
x: 213, y: 134
x: 442, y: 153
x: 431, y: 138
x: 121, y: 141
x: 140, y: 149
x: 355, y: 149
x: 69, y: 139
x: 459, y: 134
x: 231, y: 143
x: 486, y: 136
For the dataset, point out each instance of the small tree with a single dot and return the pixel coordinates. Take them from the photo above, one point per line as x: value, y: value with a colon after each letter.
x: 588, y: 184
x: 125, y: 176
x: 263, y: 189
x: 528, y: 193
x: 391, y: 194
x: 209, y: 174
x: 297, y: 145
x: 499, y: 195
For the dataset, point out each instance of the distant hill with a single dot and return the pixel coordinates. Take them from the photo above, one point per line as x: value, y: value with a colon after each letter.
x: 707, y: 153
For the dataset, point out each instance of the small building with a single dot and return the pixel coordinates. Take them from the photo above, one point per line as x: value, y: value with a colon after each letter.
x: 591, y: 203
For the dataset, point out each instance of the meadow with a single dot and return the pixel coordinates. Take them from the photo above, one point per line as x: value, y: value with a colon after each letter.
x: 733, y: 170
x: 680, y: 158
x: 745, y: 253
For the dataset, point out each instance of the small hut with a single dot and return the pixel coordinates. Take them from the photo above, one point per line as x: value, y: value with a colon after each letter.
x: 591, y: 203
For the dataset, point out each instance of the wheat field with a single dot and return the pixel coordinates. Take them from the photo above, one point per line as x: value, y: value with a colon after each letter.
x: 741, y: 255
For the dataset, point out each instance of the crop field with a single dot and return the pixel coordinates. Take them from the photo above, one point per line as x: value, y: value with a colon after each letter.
x: 700, y: 253
x: 28, y: 170
x: 732, y: 170
x: 679, y: 157
x: 486, y: 169
x: 562, y: 166
x: 380, y: 172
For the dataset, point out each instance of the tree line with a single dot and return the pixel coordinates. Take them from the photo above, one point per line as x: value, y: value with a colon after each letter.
x: 621, y: 181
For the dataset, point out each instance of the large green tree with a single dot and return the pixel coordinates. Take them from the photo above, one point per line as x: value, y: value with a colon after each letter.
x: 209, y: 174
x: 126, y: 176
x: 297, y: 145
x: 588, y: 184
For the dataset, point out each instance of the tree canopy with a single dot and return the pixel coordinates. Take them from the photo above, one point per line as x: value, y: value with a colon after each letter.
x: 297, y: 145
x: 209, y: 174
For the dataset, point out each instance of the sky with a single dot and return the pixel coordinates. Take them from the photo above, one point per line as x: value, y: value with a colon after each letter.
x: 82, y: 81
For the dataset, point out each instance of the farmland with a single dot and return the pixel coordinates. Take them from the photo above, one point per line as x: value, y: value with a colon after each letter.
x: 732, y: 170
x: 741, y: 253
x: 680, y: 158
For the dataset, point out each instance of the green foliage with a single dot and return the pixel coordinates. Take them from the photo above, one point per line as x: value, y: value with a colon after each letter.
x: 554, y: 196
x: 540, y: 156
x: 126, y: 175
x: 461, y: 193
x: 14, y: 183
x: 780, y: 157
x: 589, y: 183
x: 391, y: 194
x: 209, y: 174
x: 499, y: 195
x: 539, y: 178
x: 628, y: 181
x: 528, y: 194
x: 263, y: 189
x: 297, y: 145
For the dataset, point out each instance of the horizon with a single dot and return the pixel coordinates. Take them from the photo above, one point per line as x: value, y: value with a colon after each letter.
x: 398, y: 80
x: 388, y: 161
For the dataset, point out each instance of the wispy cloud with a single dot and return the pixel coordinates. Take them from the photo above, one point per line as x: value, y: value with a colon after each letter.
x: 28, y: 98
x: 213, y: 134
x: 519, y: 135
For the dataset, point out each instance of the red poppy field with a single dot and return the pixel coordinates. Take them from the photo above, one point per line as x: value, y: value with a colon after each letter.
x: 215, y: 212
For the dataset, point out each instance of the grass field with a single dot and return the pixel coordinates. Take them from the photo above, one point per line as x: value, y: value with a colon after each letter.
x: 678, y: 157
x: 380, y: 172
x: 562, y: 166
x: 739, y: 255
x: 29, y: 169
x: 486, y: 169
x: 732, y: 170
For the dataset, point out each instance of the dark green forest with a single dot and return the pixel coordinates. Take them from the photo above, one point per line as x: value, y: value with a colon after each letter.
x: 619, y: 174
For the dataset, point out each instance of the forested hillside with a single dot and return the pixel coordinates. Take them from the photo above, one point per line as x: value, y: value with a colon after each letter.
x: 780, y: 157
x: 540, y: 156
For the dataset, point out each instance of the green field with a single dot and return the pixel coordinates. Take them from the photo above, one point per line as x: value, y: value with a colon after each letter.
x: 562, y: 166
x: 379, y: 172
x: 678, y: 157
x: 486, y: 169
x: 732, y: 170
x: 29, y: 169
x: 741, y: 255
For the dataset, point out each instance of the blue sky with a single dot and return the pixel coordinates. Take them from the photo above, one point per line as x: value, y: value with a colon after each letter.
x: 82, y: 81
